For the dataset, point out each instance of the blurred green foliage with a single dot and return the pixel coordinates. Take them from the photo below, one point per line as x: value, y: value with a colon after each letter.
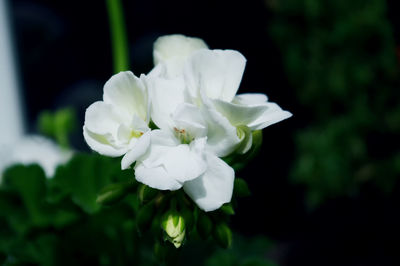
x: 69, y: 220
x: 244, y: 252
x: 58, y: 125
x: 58, y: 222
x: 340, y: 57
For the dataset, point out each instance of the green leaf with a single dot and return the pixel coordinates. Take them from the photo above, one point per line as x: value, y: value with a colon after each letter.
x: 58, y: 124
x: 83, y: 177
x: 244, y: 252
x: 28, y: 184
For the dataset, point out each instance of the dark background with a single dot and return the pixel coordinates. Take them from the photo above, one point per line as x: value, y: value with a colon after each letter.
x: 64, y: 56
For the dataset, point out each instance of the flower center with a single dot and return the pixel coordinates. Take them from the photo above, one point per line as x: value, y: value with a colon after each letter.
x: 136, y: 134
x: 183, y: 135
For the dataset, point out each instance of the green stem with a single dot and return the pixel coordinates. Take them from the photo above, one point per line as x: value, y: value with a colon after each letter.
x: 119, y: 41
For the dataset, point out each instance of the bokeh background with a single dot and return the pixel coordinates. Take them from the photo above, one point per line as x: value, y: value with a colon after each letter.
x: 325, y: 186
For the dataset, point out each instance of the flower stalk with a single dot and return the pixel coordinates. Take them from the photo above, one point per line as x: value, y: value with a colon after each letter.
x: 119, y: 40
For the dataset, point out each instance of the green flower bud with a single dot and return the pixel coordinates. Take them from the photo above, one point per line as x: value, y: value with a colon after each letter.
x: 227, y: 208
x: 189, y: 219
x: 246, y: 139
x: 240, y: 188
x: 174, y: 226
x: 204, y: 225
x: 113, y: 193
x: 159, y: 251
x: 146, y: 193
x: 247, y: 149
x: 223, y: 235
x: 145, y: 216
x: 257, y: 140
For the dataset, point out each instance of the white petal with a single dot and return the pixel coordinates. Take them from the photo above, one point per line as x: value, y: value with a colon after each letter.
x: 124, y: 134
x: 128, y: 135
x: 163, y: 137
x: 102, y: 118
x: 139, y: 149
x: 222, y: 136
x: 272, y: 115
x: 185, y: 162
x: 239, y: 114
x: 157, y: 72
x: 139, y: 125
x: 103, y: 144
x: 214, y: 187
x: 180, y: 161
x: 155, y: 177
x: 100, y: 131
x: 147, y: 106
x: 166, y: 96
x: 217, y: 72
x: 161, y: 142
x: 173, y: 50
x: 190, y: 118
x: 128, y: 93
x: 250, y: 98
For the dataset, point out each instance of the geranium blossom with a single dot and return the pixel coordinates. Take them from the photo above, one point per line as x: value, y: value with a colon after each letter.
x: 180, y: 154
x: 118, y: 125
x: 34, y: 149
x: 213, y: 78
x: 190, y: 95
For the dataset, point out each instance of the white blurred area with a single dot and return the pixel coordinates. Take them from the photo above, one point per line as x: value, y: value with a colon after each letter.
x: 15, y: 145
x: 34, y: 149
x: 11, y: 120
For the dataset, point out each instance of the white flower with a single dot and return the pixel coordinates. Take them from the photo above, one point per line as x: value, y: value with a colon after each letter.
x: 181, y: 153
x: 34, y: 150
x: 167, y: 94
x: 191, y: 96
x: 118, y: 125
x: 212, y: 79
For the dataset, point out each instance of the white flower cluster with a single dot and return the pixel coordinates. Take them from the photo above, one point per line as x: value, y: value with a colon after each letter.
x: 190, y: 96
x: 34, y: 149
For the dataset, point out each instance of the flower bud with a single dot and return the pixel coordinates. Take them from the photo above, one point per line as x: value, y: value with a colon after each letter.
x: 145, y: 216
x: 223, y: 235
x: 112, y: 193
x: 227, y: 208
x: 174, y: 226
x: 146, y: 193
x: 204, y: 225
x: 248, y: 148
x: 240, y: 188
x: 246, y: 139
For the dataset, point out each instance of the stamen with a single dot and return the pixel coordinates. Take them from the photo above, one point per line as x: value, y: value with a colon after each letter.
x: 183, y: 136
x: 136, y: 134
